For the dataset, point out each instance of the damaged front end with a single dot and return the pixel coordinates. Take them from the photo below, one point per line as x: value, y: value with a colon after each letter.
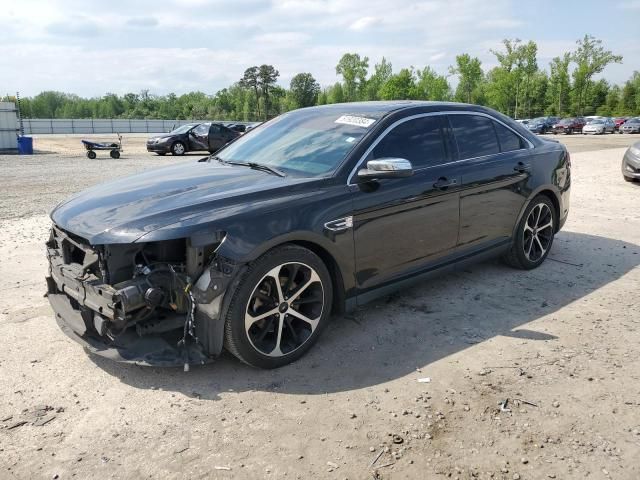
x: 155, y: 303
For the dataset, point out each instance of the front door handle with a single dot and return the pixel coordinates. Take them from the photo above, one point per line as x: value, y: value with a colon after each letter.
x: 522, y: 167
x: 443, y: 183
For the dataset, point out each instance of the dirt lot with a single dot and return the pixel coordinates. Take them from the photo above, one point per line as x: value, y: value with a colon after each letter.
x: 560, y: 343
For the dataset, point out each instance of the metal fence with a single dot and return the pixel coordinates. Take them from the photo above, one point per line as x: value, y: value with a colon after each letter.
x: 8, y: 126
x: 34, y: 126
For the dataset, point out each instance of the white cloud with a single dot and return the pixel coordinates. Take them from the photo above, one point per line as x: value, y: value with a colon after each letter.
x: 363, y: 23
x: 125, y: 46
x: 629, y: 5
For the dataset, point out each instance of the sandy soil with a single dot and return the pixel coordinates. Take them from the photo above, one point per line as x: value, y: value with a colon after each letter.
x: 560, y: 343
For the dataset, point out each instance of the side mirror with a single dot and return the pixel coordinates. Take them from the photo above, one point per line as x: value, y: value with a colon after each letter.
x: 386, y: 168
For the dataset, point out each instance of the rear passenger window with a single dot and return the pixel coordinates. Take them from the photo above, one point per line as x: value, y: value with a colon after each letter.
x: 509, y: 141
x: 420, y: 141
x: 474, y: 135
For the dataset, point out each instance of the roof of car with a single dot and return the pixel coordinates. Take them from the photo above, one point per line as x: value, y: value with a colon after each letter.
x: 379, y: 109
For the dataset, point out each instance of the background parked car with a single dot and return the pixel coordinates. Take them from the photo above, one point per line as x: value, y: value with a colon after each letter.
x: 569, y: 125
x: 618, y: 121
x: 599, y: 126
x: 631, y: 163
x: 192, y: 137
x: 542, y: 125
x: 631, y: 126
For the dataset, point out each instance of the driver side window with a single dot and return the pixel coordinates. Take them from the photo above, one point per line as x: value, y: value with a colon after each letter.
x: 421, y: 141
x: 201, y: 130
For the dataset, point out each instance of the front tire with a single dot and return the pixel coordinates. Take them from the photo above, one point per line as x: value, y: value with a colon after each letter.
x: 534, y: 235
x: 178, y: 149
x: 91, y: 155
x: 279, y: 308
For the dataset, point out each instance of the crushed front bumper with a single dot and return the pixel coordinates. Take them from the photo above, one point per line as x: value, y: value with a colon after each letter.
x: 155, y: 350
x: 84, y: 305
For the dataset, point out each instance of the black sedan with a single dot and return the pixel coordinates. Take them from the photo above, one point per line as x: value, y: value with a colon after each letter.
x: 191, y: 138
x: 542, y: 125
x: 319, y: 210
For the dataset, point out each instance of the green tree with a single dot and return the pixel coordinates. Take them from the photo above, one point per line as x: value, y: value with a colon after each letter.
x: 630, y: 96
x: 401, y: 86
x: 335, y: 94
x: 591, y: 58
x: 559, y: 85
x: 469, y: 71
x: 251, y: 80
x: 431, y: 86
x: 354, y: 74
x: 267, y: 77
x: 382, y: 72
x: 304, y: 90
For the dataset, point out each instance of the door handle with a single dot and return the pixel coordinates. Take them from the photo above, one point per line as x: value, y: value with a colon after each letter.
x: 522, y: 167
x: 443, y: 183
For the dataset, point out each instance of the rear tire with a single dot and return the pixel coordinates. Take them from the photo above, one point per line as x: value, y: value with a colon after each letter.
x: 115, y: 154
x: 534, y: 235
x: 279, y: 307
x: 91, y: 155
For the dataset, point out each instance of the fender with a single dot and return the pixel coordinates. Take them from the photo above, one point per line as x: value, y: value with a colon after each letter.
x: 532, y: 195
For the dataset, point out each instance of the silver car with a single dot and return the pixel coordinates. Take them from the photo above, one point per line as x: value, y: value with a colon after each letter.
x: 631, y: 126
x: 631, y: 163
x: 599, y: 126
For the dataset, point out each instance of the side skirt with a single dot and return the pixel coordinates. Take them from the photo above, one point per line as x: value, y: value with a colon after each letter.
x: 448, y: 264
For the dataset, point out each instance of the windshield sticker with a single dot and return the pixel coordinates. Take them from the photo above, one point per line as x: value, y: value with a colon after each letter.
x: 356, y: 121
x: 350, y: 140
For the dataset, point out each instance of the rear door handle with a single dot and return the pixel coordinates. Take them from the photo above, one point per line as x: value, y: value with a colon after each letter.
x: 522, y: 167
x: 443, y: 183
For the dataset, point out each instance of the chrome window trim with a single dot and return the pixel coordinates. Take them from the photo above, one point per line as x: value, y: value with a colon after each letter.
x: 433, y: 114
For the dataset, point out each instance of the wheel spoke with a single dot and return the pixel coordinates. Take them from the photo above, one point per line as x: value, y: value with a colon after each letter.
x: 265, y: 329
x: 293, y: 271
x: 542, y: 249
x: 546, y: 225
x: 290, y: 329
x: 539, y: 213
x: 529, y: 249
x: 277, y: 351
x: 250, y: 319
x: 275, y: 275
x: 312, y: 322
x: 314, y: 278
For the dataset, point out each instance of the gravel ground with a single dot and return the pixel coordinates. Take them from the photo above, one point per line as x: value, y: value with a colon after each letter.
x: 560, y: 343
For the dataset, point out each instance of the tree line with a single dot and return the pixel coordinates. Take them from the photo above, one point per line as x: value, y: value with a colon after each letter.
x: 517, y: 86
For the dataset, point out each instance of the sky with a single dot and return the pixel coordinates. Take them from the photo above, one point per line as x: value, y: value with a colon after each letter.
x: 91, y: 47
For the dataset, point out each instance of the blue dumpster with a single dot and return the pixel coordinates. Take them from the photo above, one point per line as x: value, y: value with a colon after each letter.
x: 25, y: 145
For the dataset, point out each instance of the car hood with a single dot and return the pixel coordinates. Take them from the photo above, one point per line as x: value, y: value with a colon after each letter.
x: 123, y: 210
x: 164, y: 135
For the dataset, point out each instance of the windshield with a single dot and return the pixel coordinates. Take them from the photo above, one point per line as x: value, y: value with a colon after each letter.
x: 538, y: 120
x: 633, y: 120
x: 183, y: 129
x: 596, y: 122
x: 566, y: 121
x: 307, y: 142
